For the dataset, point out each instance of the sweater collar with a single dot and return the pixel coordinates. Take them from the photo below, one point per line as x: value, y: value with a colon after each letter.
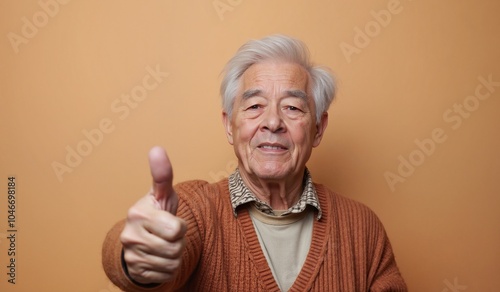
x: 240, y: 194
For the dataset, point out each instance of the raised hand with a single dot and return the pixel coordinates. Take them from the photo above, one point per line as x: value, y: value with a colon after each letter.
x: 153, y: 237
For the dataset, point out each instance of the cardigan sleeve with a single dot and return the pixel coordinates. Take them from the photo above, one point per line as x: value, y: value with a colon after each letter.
x: 385, y: 273
x: 112, y: 253
x: 387, y: 276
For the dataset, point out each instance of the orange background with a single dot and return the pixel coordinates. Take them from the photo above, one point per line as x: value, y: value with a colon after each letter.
x: 409, y: 67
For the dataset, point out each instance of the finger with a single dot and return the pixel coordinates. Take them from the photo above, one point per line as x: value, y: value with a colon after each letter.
x: 166, y: 226
x: 148, y: 277
x: 146, y: 243
x: 150, y: 269
x: 158, y: 247
x: 161, y: 171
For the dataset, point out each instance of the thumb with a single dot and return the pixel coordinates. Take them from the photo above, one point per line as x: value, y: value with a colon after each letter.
x: 162, y: 174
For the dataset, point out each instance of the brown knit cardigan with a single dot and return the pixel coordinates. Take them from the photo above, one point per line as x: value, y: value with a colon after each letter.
x: 349, y: 250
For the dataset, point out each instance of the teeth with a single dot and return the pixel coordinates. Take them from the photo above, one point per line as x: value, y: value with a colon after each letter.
x: 271, y: 147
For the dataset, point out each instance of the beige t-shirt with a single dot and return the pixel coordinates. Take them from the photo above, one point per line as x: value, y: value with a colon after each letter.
x: 285, y: 241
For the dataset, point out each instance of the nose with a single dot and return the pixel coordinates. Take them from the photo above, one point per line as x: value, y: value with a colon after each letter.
x: 273, y: 120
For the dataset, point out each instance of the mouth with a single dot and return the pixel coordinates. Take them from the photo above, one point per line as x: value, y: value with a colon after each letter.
x: 272, y: 147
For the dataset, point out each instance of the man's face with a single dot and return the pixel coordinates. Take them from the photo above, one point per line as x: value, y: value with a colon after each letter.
x: 273, y: 126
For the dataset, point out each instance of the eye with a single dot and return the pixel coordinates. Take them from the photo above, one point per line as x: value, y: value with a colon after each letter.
x: 293, y: 108
x: 254, y: 107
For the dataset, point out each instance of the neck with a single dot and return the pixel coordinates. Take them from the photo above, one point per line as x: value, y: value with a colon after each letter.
x: 279, y: 194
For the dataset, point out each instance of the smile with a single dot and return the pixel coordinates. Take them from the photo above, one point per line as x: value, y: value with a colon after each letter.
x: 272, y: 147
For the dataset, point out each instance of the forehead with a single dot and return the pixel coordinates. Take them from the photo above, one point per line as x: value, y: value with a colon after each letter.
x: 275, y: 73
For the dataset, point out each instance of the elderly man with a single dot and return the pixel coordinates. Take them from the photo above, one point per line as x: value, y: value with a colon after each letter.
x: 267, y: 227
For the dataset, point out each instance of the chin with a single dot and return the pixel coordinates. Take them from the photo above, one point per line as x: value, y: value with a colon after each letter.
x: 272, y: 173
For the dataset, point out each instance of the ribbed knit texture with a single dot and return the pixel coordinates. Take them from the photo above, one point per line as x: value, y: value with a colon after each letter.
x: 349, y: 249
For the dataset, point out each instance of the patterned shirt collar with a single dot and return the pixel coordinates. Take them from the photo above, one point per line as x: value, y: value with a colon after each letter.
x: 240, y: 194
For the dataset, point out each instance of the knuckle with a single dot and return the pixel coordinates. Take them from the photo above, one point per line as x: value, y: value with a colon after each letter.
x: 177, y: 226
x: 141, y: 209
x: 131, y: 259
x: 154, y: 272
x: 126, y: 238
x: 129, y: 235
x: 135, y: 212
x: 141, y: 275
x: 173, y: 265
x: 177, y: 248
x: 144, y: 274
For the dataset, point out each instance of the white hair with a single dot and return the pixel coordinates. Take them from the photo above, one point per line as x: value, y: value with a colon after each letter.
x: 281, y: 48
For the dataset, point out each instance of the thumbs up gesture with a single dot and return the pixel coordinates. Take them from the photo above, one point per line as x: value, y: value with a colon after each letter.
x: 153, y: 237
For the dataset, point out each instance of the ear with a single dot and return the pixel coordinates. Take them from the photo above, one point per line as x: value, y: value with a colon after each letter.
x: 320, y: 129
x: 226, y: 121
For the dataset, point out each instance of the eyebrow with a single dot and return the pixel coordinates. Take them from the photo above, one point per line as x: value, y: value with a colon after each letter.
x: 251, y: 93
x: 293, y: 93
x: 297, y: 93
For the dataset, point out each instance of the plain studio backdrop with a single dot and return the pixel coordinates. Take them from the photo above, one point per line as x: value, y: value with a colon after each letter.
x: 88, y: 87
